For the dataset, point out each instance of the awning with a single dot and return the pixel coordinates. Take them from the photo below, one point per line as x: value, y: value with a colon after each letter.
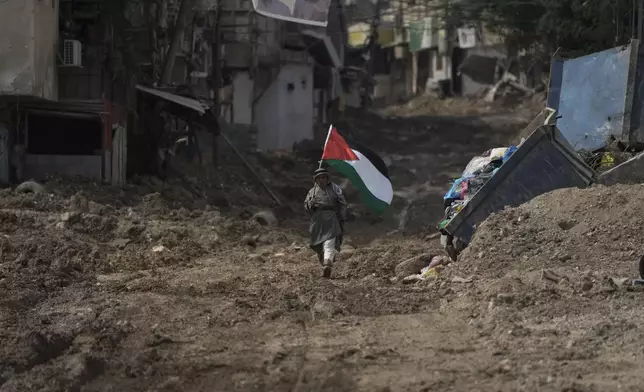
x: 174, y: 98
x: 321, y: 48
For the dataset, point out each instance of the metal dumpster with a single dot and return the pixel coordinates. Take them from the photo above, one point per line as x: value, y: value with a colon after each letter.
x: 543, y: 163
x: 599, y: 97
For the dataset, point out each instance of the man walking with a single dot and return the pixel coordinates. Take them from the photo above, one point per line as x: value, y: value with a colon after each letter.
x: 327, y: 207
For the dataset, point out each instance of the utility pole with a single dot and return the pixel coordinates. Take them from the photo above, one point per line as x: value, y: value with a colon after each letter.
x: 216, y: 83
x: 640, y: 16
x: 372, y: 47
x: 177, y: 40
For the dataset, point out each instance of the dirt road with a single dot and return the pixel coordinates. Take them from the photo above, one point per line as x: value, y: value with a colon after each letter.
x: 148, y: 289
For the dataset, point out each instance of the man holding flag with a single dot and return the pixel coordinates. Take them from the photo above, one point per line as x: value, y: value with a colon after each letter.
x: 326, y: 203
x: 328, y: 207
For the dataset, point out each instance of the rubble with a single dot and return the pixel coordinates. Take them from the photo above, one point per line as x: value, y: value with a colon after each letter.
x: 30, y: 187
x: 413, y: 265
x: 152, y: 290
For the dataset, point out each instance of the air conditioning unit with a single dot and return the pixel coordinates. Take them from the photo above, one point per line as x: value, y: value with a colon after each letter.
x: 72, y: 53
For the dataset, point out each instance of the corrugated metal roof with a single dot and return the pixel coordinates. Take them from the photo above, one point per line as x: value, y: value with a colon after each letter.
x: 178, y: 99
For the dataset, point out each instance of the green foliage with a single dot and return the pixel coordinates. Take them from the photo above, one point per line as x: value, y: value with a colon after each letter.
x: 576, y: 26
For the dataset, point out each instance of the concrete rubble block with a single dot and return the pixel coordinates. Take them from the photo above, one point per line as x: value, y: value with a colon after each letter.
x: 79, y: 203
x: 265, y: 218
x: 30, y: 187
x: 154, y: 203
x: 413, y: 266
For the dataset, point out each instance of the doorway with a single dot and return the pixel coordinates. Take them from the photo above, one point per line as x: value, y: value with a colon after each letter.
x: 458, y: 56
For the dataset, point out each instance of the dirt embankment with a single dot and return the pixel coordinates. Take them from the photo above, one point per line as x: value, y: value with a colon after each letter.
x: 175, y: 287
x: 551, y: 281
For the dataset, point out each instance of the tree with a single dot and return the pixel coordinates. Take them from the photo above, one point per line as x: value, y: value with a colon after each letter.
x: 577, y: 27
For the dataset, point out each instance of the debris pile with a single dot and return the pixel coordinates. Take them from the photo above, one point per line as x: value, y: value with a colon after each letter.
x: 480, y: 169
x: 597, y: 229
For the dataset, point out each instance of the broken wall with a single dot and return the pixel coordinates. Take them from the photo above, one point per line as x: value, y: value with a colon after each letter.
x: 28, y: 47
x: 284, y: 114
x: 484, y: 60
x: 17, y: 73
x: 45, y: 48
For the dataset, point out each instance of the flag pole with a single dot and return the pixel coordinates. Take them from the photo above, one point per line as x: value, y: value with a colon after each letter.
x: 325, y: 142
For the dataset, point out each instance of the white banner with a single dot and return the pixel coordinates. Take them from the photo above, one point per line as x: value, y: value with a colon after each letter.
x: 466, y: 37
x: 309, y: 12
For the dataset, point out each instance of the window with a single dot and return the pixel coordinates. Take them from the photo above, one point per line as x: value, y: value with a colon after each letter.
x: 58, y: 135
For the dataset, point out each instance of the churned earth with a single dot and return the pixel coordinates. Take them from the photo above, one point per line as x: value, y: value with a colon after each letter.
x: 179, y: 286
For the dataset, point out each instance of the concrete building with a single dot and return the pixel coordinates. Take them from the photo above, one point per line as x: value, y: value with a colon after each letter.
x: 282, y: 74
x: 63, y: 88
x: 28, y: 48
x: 412, y: 53
x: 478, y: 57
x: 55, y: 115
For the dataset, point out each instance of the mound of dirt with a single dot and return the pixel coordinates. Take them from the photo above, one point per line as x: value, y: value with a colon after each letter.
x: 597, y: 228
x: 557, y: 249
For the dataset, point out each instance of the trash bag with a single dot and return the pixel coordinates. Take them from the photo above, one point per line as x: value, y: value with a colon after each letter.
x: 456, y: 191
x: 498, y: 153
x: 509, y: 152
x: 476, y: 164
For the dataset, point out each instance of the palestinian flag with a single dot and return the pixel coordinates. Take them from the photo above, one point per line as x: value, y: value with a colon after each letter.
x: 364, y: 168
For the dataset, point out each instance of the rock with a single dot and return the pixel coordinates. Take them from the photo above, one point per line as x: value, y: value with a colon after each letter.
x: 96, y: 208
x: 159, y: 248
x: 81, y: 367
x: 120, y: 243
x: 79, y: 203
x: 564, y: 257
x: 587, y: 285
x: 551, y: 276
x: 70, y: 217
x: 326, y: 309
x: 171, y: 384
x: 412, y: 279
x: 30, y: 187
x: 265, y: 218
x: 250, y: 240
x: 458, y: 279
x: 127, y: 229
x: 255, y: 258
x: 413, y: 266
x: 154, y: 203
x: 506, y: 298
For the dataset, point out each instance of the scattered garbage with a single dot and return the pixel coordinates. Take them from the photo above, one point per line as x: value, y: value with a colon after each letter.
x: 159, y: 249
x: 509, y: 176
x: 425, y: 273
x: 431, y: 271
x: 476, y: 174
